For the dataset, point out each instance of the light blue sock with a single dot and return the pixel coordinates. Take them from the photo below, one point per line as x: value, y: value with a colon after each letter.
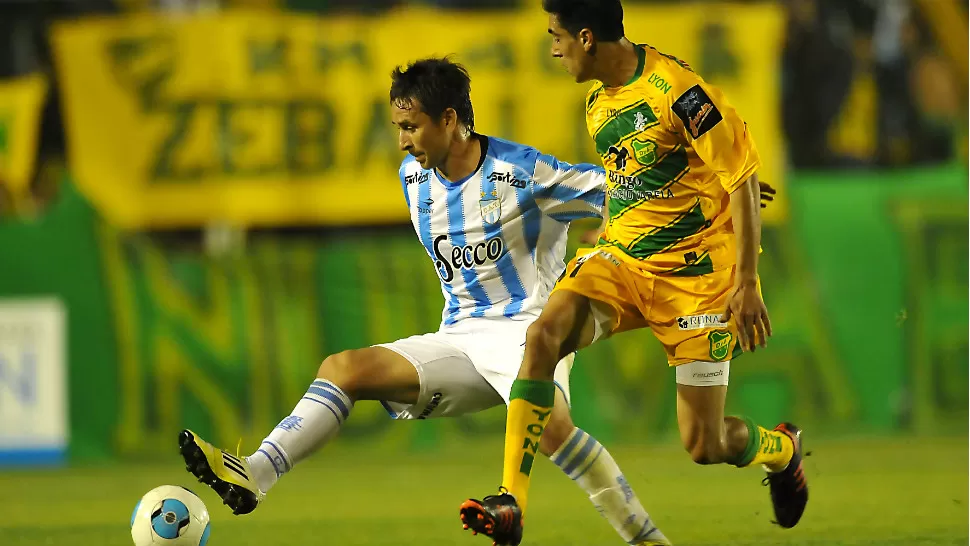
x: 590, y: 465
x: 314, y: 421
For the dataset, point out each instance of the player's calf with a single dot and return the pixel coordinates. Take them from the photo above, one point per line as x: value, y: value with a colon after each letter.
x: 558, y: 428
x: 344, y: 378
x: 714, y: 443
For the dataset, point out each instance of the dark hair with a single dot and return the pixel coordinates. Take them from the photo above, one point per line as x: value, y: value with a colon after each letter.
x: 438, y: 84
x: 603, y: 17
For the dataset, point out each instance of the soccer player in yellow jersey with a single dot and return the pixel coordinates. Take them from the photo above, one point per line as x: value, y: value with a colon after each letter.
x: 678, y: 255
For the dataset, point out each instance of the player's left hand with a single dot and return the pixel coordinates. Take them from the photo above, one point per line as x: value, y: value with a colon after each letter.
x: 750, y: 315
x: 767, y: 193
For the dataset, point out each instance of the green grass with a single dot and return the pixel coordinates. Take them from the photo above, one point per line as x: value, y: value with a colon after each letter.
x: 864, y: 492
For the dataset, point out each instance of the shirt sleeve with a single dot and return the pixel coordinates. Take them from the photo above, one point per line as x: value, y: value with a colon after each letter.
x: 712, y: 127
x: 568, y: 192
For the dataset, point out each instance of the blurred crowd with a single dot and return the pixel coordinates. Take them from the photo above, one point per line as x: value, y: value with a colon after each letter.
x: 842, y: 56
x: 865, y: 83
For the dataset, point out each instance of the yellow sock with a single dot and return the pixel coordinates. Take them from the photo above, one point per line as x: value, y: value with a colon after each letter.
x: 770, y: 448
x: 529, y: 408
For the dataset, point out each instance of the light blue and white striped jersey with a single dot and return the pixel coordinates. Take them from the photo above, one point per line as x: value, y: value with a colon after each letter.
x: 498, y: 237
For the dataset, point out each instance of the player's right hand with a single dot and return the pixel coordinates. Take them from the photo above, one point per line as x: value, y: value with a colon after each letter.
x: 750, y: 314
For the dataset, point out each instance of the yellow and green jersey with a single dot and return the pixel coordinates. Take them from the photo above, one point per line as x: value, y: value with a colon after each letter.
x: 674, y: 149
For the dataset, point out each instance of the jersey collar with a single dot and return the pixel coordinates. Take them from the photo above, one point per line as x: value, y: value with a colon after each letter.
x: 641, y: 61
x: 483, y: 140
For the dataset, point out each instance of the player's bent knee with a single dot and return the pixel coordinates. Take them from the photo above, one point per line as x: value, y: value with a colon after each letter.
x: 343, y: 369
x: 546, y: 337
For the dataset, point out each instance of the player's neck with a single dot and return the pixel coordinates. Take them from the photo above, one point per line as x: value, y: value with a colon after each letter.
x: 616, y: 62
x: 464, y: 157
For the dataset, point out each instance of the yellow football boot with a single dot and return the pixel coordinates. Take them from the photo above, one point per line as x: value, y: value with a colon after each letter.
x: 227, y: 474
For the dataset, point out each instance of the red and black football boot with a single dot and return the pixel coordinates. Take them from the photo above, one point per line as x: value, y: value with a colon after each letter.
x: 789, y: 489
x: 496, y: 516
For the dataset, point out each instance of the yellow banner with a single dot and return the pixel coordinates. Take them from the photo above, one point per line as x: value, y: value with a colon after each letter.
x: 273, y: 119
x: 21, y: 103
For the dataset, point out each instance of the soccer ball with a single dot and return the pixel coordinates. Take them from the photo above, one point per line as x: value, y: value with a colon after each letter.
x: 170, y: 516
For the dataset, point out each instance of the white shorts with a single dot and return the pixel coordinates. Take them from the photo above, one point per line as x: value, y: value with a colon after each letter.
x: 467, y: 367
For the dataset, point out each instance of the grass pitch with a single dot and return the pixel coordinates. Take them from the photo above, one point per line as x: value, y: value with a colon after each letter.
x: 885, y: 492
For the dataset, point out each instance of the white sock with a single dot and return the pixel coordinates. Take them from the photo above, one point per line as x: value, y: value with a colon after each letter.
x: 588, y: 464
x: 315, y: 420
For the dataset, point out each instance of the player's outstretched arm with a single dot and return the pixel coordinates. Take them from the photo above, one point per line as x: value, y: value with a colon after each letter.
x: 721, y: 139
x: 567, y: 192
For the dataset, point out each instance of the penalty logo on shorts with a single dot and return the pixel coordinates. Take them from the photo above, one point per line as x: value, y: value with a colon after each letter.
x: 720, y: 345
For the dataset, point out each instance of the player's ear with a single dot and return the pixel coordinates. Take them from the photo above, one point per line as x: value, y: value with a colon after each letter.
x: 450, y: 117
x: 585, y: 38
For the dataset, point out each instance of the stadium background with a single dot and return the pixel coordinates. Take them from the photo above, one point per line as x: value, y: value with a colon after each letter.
x: 203, y: 195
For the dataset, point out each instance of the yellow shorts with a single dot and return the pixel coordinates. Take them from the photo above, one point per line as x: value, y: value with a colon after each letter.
x: 683, y: 312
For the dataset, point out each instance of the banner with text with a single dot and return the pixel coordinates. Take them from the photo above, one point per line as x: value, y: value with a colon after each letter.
x: 274, y: 119
x: 33, y: 389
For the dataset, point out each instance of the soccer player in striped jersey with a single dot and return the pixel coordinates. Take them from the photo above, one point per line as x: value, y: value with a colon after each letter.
x: 492, y: 216
x: 678, y: 255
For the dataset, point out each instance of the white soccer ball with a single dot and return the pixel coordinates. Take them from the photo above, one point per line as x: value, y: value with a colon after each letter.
x: 170, y: 516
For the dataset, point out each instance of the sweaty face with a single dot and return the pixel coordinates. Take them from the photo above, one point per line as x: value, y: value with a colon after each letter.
x: 418, y: 134
x: 571, y: 50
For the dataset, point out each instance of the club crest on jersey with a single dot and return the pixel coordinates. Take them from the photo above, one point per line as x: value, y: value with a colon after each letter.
x: 645, y: 152
x: 491, y: 210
